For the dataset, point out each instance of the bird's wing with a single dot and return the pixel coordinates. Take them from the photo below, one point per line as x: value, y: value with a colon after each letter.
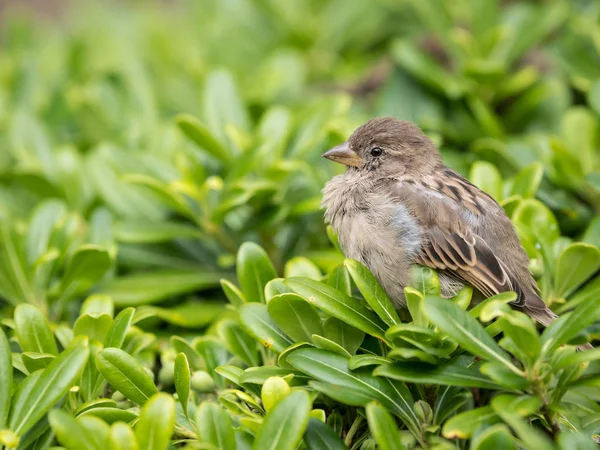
x: 449, y: 243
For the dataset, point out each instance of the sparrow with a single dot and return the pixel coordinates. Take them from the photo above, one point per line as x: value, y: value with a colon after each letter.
x: 398, y: 205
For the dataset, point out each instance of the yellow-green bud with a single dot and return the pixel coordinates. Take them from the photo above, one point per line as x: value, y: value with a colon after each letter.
x: 274, y: 389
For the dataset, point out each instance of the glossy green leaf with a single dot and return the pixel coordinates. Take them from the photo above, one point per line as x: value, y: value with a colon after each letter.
x: 47, y: 387
x: 95, y: 326
x: 152, y: 287
x: 6, y: 377
x: 33, y: 330
x: 295, y: 316
x: 233, y: 293
x: 238, y: 342
x: 463, y: 425
x: 486, y: 177
x: 450, y: 374
x: 575, y: 265
x: 118, y: 330
x: 567, y: 326
x: 201, y: 135
x: 345, y: 335
x: 258, y: 323
x: 214, y: 426
x: 182, y: 381
x: 155, y: 425
x: 254, y: 271
x: 465, y: 330
x: 372, y: 292
x: 320, y: 436
x: 285, y: 425
x: 122, y: 437
x: 86, y: 267
x: 36, y: 361
x: 328, y: 344
x: 300, y: 266
x: 126, y: 375
x: 338, y: 305
x: 70, y: 433
x: 495, y: 436
x: 383, y: 427
x: 346, y: 385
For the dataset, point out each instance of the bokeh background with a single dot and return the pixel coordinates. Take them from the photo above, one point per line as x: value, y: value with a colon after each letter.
x: 147, y: 147
x: 159, y: 136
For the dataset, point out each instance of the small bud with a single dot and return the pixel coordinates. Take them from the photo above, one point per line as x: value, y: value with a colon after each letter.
x: 423, y: 412
x: 318, y: 414
x: 274, y: 389
x: 166, y: 375
x: 9, y: 439
x: 202, y: 381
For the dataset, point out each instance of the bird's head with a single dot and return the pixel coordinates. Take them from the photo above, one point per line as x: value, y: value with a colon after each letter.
x: 387, y: 146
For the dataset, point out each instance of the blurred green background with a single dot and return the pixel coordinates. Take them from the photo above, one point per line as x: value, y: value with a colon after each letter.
x: 143, y: 142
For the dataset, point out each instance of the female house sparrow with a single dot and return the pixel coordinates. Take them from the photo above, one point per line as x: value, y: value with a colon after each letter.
x: 399, y: 205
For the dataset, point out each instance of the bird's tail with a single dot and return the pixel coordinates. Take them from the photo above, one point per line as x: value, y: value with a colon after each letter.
x: 536, y: 308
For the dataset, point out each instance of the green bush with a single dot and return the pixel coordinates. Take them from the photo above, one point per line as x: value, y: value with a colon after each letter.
x: 166, y: 278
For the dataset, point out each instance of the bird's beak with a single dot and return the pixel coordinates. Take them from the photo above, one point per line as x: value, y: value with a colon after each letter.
x: 343, y: 154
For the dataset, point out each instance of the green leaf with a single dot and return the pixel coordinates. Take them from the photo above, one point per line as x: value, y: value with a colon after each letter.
x: 295, y: 316
x: 111, y: 415
x: 189, y: 314
x: 414, y: 303
x: 126, y: 375
x: 425, y: 280
x: 285, y: 425
x: 36, y: 361
x: 33, y: 330
x: 358, y: 361
x: 118, y: 330
x: 182, y: 381
x: 47, y: 387
x: 202, y: 136
x: 222, y: 103
x: 463, y: 425
x: 567, y: 326
x: 383, y: 427
x: 575, y: 265
x: 214, y: 355
x: 354, y: 387
x: 254, y: 271
x: 238, y: 342
x: 527, y: 181
x: 233, y: 293
x: 214, y: 426
x: 345, y: 335
x: 451, y: 374
x: 339, y: 279
x: 575, y: 441
x: 155, y: 425
x: 6, y: 377
x: 142, y: 232
x: 122, y: 437
x: 258, y: 323
x: 338, y: 305
x: 97, y: 429
x: 465, y: 330
x: 372, y: 292
x: 300, y: 266
x: 70, y: 433
x: 495, y: 436
x: 319, y: 436
x: 98, y: 304
x: 487, y: 177
x: 327, y: 344
x: 152, y: 287
x: 86, y: 267
x: 95, y: 326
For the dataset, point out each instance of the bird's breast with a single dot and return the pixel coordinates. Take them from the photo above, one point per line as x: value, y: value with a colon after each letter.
x: 381, y: 234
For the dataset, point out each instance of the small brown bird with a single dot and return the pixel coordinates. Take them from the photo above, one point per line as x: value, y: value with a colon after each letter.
x: 398, y: 204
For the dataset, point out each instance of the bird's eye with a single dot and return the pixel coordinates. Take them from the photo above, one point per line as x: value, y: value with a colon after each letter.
x: 376, y: 151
